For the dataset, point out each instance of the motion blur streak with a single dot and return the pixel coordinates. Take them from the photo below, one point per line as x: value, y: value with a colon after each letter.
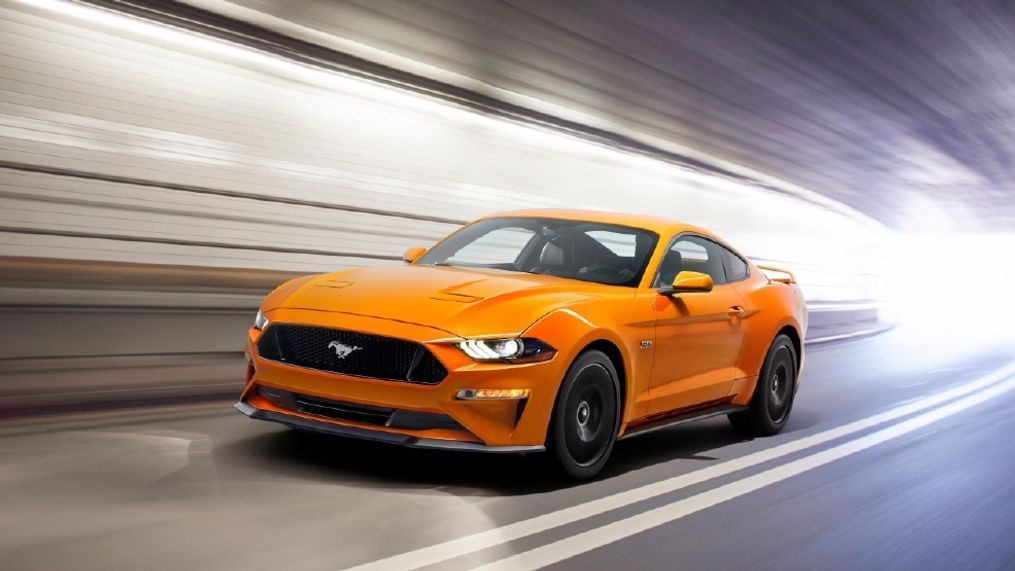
x: 399, y: 129
x: 157, y: 182
x: 165, y: 164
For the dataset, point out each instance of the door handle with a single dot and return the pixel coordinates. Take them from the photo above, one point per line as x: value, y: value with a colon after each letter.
x: 735, y: 312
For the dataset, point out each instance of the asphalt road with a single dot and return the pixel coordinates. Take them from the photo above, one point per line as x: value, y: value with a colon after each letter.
x: 202, y: 487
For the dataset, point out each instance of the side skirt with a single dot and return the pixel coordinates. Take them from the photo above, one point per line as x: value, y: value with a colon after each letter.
x: 681, y: 419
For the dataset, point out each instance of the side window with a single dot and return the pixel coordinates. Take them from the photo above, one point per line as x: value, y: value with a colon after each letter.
x: 619, y: 243
x: 498, y: 247
x: 736, y: 268
x: 691, y: 254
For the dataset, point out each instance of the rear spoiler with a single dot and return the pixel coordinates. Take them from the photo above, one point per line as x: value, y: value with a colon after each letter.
x: 786, y: 276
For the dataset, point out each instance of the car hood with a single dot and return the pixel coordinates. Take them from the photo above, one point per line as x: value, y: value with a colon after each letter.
x: 462, y: 301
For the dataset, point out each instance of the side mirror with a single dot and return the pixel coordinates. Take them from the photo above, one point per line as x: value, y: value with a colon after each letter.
x: 688, y: 282
x: 413, y: 254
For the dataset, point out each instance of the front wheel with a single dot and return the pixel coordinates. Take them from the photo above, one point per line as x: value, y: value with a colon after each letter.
x: 586, y: 416
x: 773, y: 396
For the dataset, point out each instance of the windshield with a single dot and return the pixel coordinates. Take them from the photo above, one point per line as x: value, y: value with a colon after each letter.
x: 588, y: 251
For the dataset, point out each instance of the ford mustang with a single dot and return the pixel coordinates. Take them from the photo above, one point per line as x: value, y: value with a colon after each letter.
x: 526, y: 331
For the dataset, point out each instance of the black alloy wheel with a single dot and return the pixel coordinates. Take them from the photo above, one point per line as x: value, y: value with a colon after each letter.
x: 586, y: 416
x: 773, y: 396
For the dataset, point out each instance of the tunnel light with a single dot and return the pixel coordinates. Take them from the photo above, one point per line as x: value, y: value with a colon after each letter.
x: 492, y: 394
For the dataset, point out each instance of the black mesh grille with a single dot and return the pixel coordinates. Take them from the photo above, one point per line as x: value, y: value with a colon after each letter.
x: 350, y: 353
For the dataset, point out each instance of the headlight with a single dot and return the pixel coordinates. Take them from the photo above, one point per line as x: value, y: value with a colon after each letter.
x: 514, y: 350
x: 260, y: 322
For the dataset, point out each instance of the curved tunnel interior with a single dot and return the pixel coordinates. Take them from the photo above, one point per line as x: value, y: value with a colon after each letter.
x: 165, y: 164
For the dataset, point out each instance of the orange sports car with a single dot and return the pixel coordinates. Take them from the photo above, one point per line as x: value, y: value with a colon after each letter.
x: 534, y: 330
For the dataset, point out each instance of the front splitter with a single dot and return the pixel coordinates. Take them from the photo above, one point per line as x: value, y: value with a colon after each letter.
x: 375, y: 435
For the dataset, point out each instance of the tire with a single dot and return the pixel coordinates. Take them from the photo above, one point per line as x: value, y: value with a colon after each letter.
x: 772, y: 401
x: 586, y: 416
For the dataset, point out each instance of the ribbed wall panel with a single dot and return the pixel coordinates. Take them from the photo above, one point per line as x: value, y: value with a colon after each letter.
x: 157, y: 151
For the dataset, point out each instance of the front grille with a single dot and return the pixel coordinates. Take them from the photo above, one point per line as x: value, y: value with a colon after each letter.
x: 350, y: 353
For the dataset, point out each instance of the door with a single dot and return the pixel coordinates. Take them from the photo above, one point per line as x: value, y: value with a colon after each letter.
x: 698, y: 335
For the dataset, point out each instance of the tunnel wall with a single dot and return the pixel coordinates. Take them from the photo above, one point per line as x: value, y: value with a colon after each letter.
x: 155, y: 184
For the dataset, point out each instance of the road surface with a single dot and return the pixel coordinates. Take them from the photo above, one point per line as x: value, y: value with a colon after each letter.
x: 898, y: 455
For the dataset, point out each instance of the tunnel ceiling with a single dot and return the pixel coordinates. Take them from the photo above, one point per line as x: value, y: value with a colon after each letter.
x: 902, y: 110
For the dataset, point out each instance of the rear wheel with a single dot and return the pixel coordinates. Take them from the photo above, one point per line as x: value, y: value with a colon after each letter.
x: 586, y: 416
x: 773, y: 396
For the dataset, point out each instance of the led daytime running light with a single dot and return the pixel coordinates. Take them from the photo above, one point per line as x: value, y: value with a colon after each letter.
x: 492, y: 394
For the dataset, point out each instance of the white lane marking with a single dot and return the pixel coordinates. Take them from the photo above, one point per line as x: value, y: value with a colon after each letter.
x: 450, y: 549
x: 612, y: 532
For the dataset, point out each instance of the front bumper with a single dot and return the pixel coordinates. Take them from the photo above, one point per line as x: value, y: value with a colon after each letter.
x: 492, y: 426
x: 374, y: 435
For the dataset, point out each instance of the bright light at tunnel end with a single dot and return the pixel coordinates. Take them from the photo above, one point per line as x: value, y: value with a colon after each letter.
x: 951, y: 283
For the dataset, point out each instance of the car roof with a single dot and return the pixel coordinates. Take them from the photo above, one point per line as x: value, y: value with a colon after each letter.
x: 661, y: 226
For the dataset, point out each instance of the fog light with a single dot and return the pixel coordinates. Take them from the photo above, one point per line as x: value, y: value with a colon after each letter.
x: 492, y: 394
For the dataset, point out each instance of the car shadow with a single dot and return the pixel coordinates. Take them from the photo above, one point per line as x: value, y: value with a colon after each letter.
x: 323, y: 458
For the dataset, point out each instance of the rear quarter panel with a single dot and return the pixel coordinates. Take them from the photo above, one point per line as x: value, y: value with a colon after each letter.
x: 771, y: 306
